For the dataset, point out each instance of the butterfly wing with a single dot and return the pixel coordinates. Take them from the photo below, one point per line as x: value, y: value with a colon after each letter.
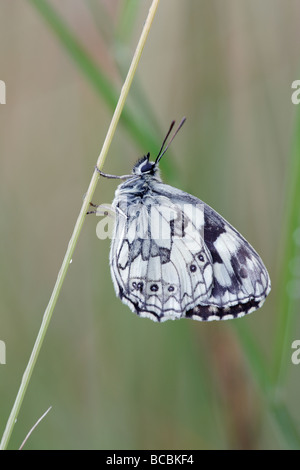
x: 152, y: 250
x: 241, y: 281
x: 172, y: 256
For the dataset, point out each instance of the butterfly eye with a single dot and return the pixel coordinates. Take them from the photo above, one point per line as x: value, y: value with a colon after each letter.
x: 147, y: 167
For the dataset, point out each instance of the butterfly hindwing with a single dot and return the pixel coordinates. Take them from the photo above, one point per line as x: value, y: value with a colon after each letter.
x: 241, y: 281
x: 173, y: 256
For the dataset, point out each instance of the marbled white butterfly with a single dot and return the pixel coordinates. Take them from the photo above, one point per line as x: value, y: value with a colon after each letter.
x: 172, y: 256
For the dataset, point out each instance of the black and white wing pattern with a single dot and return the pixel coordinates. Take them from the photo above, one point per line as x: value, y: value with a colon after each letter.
x: 172, y: 257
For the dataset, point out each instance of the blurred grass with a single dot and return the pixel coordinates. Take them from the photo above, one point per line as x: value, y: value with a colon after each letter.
x: 288, y: 284
x: 104, y: 86
x: 140, y: 127
x: 266, y: 372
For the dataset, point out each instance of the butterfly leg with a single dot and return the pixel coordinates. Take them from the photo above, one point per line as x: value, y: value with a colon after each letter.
x: 112, y: 176
x: 93, y: 205
x: 102, y: 209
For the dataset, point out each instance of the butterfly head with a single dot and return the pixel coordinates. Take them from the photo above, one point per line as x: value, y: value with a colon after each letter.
x: 144, y: 166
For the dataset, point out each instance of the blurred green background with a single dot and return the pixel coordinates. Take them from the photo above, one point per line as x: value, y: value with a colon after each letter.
x: 116, y: 381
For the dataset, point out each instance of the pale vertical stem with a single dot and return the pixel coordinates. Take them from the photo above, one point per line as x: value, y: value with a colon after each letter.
x: 73, y: 240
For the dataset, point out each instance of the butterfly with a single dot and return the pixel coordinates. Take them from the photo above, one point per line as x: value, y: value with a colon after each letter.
x: 172, y: 256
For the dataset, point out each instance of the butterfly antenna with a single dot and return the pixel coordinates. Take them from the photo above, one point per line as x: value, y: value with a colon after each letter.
x: 163, y: 150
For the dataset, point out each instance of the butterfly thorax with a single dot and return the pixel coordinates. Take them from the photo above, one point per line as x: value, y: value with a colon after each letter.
x: 145, y: 176
x: 136, y: 189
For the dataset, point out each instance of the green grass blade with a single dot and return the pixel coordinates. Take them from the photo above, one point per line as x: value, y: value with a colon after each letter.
x: 97, y: 79
x: 271, y: 379
x: 127, y: 20
x: 286, y: 425
x: 138, y: 124
x: 257, y: 362
x: 288, y: 283
x: 262, y: 375
x: 76, y: 232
